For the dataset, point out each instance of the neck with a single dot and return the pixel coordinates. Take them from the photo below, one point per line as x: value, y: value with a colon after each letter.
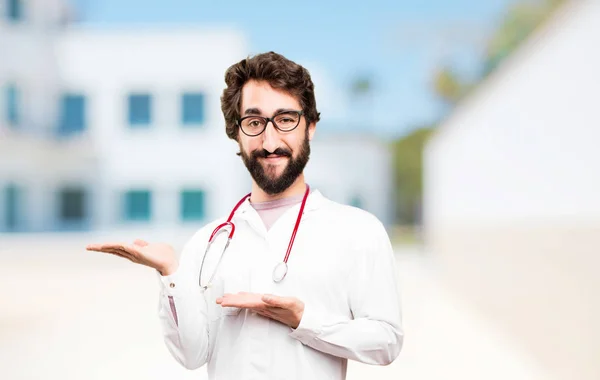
x: 297, y: 188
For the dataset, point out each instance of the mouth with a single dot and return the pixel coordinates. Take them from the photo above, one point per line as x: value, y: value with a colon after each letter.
x: 273, y: 158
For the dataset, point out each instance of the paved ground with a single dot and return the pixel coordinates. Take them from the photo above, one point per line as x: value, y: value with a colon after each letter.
x: 70, y: 314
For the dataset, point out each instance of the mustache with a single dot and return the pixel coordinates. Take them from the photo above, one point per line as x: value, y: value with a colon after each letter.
x: 263, y: 153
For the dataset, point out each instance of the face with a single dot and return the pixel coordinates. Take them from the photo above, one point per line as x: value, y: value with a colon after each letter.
x: 275, y: 159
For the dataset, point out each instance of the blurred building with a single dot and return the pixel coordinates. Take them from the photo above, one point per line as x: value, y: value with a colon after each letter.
x: 512, y: 195
x: 122, y: 128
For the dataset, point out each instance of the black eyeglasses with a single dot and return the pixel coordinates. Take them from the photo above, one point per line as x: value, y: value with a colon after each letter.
x: 285, y: 121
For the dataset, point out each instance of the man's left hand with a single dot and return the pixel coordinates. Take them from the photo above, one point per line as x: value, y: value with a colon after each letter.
x: 287, y: 310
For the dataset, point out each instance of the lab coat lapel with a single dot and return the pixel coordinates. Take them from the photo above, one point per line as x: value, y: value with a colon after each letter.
x: 248, y: 214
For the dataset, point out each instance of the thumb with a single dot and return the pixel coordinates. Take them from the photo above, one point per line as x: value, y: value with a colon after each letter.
x: 140, y: 243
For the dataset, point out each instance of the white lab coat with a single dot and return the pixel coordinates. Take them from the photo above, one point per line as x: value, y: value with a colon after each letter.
x: 341, y: 266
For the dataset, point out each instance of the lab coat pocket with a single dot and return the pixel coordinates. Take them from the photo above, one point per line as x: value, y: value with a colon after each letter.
x: 232, y: 283
x: 231, y: 311
x: 231, y: 286
x: 216, y: 311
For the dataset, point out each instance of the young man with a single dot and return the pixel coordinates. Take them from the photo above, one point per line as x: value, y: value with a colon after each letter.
x: 292, y: 284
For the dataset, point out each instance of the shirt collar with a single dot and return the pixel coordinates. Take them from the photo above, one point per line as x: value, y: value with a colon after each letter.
x: 314, y: 201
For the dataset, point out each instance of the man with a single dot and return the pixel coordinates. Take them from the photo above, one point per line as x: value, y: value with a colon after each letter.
x: 304, y: 283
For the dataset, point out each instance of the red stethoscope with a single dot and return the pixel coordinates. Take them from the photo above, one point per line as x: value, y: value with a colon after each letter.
x: 280, y: 269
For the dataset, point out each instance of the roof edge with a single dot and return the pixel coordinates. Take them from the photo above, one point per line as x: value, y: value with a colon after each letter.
x: 516, y: 58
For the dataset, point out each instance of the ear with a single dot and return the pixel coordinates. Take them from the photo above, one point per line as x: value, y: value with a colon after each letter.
x: 239, y: 142
x: 312, y: 127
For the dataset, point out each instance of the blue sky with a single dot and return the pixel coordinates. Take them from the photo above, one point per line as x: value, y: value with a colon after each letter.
x: 340, y: 40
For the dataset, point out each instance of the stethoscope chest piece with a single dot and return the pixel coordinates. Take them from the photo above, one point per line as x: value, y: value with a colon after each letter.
x: 280, y: 271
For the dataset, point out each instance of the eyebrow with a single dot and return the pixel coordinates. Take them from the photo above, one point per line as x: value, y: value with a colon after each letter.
x: 256, y: 111
x: 252, y: 111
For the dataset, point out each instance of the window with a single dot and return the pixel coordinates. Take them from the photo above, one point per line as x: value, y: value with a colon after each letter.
x: 72, y: 205
x: 139, y: 109
x: 72, y: 114
x: 11, y: 201
x: 14, y: 11
x: 192, y: 108
x: 12, y: 105
x: 192, y: 205
x: 137, y: 205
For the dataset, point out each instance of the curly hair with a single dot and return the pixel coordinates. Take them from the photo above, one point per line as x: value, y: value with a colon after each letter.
x: 280, y: 73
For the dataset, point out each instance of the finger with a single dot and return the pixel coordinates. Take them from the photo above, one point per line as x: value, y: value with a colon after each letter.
x: 225, y: 300
x: 121, y: 251
x: 270, y: 315
x: 228, y: 302
x: 118, y: 252
x: 264, y: 313
x: 244, y: 302
x: 102, y: 247
x: 131, y: 250
x: 115, y: 253
x: 272, y: 300
x: 94, y: 247
x: 219, y: 300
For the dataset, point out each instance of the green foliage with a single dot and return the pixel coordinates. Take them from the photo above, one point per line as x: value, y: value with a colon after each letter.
x: 520, y: 20
x: 448, y: 86
x: 408, y: 161
x: 361, y: 85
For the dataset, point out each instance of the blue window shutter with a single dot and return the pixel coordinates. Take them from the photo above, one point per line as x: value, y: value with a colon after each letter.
x: 192, y: 109
x: 137, y: 205
x: 72, y: 205
x: 140, y: 109
x: 15, y: 10
x: 12, y: 105
x: 73, y: 114
x: 192, y: 205
x: 12, y: 201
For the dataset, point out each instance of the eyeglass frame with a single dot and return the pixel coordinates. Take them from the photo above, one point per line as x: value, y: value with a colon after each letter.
x: 272, y: 120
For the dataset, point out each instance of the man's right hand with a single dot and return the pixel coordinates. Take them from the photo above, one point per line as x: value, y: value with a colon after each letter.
x: 159, y: 256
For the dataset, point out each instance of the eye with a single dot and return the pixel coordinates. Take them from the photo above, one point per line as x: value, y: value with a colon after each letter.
x: 286, y: 118
x: 254, y: 122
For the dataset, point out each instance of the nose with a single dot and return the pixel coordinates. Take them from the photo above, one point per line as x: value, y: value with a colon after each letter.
x: 270, y: 137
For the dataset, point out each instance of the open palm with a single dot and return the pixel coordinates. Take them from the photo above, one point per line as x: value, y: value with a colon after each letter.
x: 159, y: 256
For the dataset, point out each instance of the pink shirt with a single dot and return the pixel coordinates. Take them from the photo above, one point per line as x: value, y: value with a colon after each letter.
x: 271, y: 211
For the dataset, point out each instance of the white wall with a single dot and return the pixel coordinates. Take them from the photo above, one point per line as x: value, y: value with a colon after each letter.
x: 40, y: 169
x: 512, y: 211
x: 27, y: 159
x: 31, y: 64
x: 345, y: 166
x: 526, y: 145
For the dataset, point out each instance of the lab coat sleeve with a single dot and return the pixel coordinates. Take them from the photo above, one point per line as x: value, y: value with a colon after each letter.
x: 183, y: 311
x: 374, y: 335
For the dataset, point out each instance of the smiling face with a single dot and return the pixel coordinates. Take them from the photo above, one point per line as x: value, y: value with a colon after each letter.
x: 275, y: 159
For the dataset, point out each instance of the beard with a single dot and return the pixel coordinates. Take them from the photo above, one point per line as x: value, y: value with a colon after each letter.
x: 266, y: 178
